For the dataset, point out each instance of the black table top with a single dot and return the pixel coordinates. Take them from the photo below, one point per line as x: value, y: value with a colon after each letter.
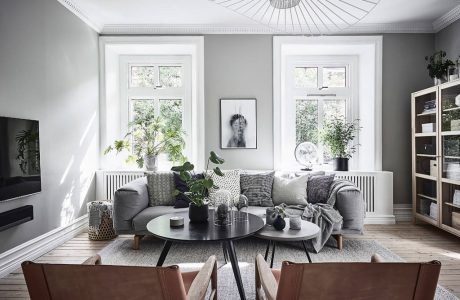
x: 160, y: 228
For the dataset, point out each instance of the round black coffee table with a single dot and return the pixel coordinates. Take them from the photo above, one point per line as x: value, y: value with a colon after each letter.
x: 194, y: 232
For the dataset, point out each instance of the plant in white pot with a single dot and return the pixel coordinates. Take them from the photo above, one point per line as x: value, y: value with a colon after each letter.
x: 338, y: 135
x: 198, y: 187
x: 151, y: 135
x: 438, y: 65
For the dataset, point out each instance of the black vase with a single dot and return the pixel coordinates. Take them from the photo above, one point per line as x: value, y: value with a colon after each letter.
x: 340, y: 164
x: 198, y: 214
x: 279, y: 223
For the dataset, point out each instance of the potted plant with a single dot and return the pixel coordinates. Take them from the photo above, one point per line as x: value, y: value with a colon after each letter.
x: 198, y: 188
x: 151, y: 135
x: 337, y: 135
x: 437, y: 66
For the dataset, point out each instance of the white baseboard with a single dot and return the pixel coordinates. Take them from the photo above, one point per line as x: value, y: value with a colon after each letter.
x: 33, y: 249
x: 403, y: 212
x: 372, y: 218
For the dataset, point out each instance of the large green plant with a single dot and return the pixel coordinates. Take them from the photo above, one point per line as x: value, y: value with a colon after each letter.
x: 437, y: 66
x: 198, y: 187
x: 337, y: 135
x: 151, y: 135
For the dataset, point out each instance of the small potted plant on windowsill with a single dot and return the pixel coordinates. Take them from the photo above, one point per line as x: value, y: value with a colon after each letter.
x: 151, y: 136
x: 437, y: 66
x: 337, y: 135
x: 198, y: 187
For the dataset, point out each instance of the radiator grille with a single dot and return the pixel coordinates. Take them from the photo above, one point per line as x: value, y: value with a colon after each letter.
x: 112, y: 181
x: 366, y: 185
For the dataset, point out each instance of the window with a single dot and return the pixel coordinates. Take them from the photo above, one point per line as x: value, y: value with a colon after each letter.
x: 317, y: 89
x: 156, y: 86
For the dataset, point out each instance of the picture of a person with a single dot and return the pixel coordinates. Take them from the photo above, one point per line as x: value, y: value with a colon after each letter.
x: 238, y: 124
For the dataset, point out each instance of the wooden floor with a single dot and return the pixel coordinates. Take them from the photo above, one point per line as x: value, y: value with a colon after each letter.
x: 413, y: 243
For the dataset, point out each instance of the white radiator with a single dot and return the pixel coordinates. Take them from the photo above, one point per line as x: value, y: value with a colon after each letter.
x: 107, y: 182
x: 376, y: 187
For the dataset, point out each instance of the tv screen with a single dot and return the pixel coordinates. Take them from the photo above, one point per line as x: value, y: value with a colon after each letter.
x: 19, y: 158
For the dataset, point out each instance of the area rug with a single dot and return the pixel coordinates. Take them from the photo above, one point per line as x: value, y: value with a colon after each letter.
x: 190, y: 256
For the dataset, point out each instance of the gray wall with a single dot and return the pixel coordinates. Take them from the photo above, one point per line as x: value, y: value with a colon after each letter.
x: 404, y: 72
x: 49, y: 72
x: 241, y: 66
x: 448, y: 40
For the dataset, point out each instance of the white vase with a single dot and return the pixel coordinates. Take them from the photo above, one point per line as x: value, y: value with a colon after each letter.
x: 151, y: 162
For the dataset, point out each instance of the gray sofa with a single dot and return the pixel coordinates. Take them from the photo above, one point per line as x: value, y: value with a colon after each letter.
x: 132, y: 211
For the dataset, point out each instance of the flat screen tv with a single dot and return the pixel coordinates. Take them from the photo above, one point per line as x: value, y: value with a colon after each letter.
x: 19, y: 158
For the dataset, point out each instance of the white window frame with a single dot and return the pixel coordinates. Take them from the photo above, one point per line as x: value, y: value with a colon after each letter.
x: 156, y: 93
x: 369, y: 50
x: 112, y: 125
x: 348, y: 93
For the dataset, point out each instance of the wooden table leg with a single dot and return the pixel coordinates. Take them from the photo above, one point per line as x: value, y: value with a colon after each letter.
x: 235, y: 267
x: 164, y: 253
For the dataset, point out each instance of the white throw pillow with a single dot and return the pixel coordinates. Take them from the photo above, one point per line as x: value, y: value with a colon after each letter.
x: 290, y: 191
x: 230, y: 182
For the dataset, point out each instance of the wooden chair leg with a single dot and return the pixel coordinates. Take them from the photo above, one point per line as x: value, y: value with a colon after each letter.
x: 137, y: 240
x: 214, y: 281
x: 339, y: 239
x: 257, y: 279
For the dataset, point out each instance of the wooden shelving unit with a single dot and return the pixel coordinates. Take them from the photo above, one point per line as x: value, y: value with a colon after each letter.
x: 436, y: 155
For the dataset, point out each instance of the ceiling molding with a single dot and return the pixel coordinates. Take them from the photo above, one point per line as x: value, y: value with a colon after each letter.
x: 447, y: 19
x: 255, y: 29
x: 70, y: 5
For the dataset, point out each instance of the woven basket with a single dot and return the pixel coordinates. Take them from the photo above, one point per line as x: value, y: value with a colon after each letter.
x: 105, y: 232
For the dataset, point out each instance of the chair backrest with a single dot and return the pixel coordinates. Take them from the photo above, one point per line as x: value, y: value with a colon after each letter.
x: 358, y: 281
x: 77, y: 282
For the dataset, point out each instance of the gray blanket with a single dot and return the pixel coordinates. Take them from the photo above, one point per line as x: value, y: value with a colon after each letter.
x: 322, y: 214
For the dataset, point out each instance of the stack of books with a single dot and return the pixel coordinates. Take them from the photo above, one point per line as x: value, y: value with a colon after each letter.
x: 429, y: 106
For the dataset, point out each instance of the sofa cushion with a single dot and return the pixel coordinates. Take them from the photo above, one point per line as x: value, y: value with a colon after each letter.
x: 318, y: 188
x: 290, y: 191
x: 161, y: 188
x: 230, y: 182
x: 181, y: 200
x: 141, y: 219
x: 258, y: 188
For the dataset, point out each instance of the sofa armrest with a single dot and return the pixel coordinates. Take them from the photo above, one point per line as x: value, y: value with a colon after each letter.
x: 129, y: 200
x: 351, y: 206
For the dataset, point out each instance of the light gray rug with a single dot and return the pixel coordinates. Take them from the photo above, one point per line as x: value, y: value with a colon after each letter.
x: 190, y: 257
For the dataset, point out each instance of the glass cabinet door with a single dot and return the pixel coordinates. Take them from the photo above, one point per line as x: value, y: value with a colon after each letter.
x: 450, y: 156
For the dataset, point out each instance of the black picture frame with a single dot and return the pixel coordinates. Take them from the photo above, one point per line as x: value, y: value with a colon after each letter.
x: 238, y: 110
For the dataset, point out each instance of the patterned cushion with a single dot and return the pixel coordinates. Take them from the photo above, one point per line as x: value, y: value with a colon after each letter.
x: 181, y: 200
x: 161, y: 188
x: 318, y: 188
x: 258, y: 188
x: 230, y: 182
x: 290, y: 191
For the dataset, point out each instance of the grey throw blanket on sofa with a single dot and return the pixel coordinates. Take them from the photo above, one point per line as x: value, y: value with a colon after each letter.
x: 322, y: 214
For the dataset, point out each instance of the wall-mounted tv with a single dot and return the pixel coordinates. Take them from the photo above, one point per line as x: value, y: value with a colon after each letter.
x: 19, y: 158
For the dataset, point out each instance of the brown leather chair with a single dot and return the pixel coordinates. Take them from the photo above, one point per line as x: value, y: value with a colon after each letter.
x: 373, y: 281
x: 91, y: 280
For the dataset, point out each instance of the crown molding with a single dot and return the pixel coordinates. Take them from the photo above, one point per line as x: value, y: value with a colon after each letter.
x: 447, y: 19
x: 255, y: 29
x: 70, y: 5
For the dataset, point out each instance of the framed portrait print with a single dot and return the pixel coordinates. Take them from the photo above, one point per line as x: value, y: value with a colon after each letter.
x: 238, y: 123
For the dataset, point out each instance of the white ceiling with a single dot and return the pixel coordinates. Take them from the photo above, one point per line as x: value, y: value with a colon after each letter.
x: 173, y: 16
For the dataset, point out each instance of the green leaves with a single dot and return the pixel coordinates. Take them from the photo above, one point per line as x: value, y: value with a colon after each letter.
x: 337, y: 135
x: 214, y: 158
x: 218, y: 171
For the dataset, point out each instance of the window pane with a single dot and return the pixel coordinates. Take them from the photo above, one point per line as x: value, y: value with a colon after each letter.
x: 141, y: 108
x: 306, y: 121
x: 142, y: 76
x: 171, y: 111
x: 306, y: 77
x: 334, y: 77
x: 333, y: 109
x: 171, y: 76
